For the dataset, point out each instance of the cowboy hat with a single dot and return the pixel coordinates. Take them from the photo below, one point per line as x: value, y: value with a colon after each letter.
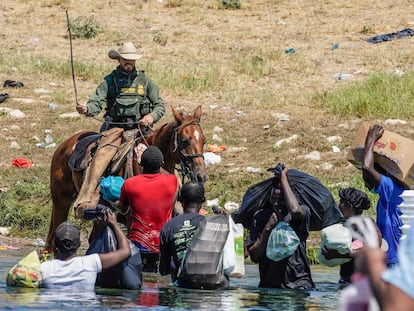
x: 127, y: 51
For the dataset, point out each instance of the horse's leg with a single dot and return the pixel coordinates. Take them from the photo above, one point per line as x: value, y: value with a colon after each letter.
x: 62, y: 189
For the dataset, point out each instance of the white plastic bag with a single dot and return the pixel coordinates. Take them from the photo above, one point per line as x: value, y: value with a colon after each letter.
x: 282, y: 243
x: 233, y: 253
x: 339, y: 238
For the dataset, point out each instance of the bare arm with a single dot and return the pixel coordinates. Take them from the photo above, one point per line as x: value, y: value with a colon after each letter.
x: 290, y: 199
x: 371, y: 176
x: 123, y: 252
x: 371, y: 262
x: 258, y: 250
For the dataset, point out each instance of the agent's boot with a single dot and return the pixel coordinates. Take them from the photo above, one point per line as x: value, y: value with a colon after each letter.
x: 108, y: 146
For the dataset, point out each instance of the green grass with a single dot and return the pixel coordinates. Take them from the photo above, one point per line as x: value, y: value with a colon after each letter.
x: 25, y: 207
x: 381, y: 94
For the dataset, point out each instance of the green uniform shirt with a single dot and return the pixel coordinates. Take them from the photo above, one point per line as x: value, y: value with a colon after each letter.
x: 138, y: 94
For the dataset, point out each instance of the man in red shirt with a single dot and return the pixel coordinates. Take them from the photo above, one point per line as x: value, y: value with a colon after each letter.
x: 150, y: 198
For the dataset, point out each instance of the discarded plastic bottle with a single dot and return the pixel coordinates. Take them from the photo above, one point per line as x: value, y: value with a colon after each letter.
x: 48, y: 137
x: 52, y: 145
x: 344, y: 76
x: 51, y: 106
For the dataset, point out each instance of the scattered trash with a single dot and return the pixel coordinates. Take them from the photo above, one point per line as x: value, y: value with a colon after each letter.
x: 217, y: 138
x: 21, y: 163
x: 11, y: 83
x: 203, y: 211
x: 48, y: 143
x: 395, y: 121
x: 4, y: 231
x: 52, y: 106
x: 74, y: 114
x: 215, y: 148
x: 335, y: 46
x: 266, y: 127
x: 3, y: 97
x: 281, y: 116
x: 231, y: 206
x: 336, y: 149
x: 6, y: 247
x: 14, y: 145
x: 343, y: 76
x: 282, y: 23
x: 212, y: 202
x: 407, y: 32
x: 251, y: 169
x: 240, y: 113
x: 327, y: 166
x: 17, y: 114
x: 212, y: 107
x: 211, y: 158
x: 41, y: 91
x: 289, y: 51
x: 285, y: 140
x: 314, y: 156
x: 399, y: 72
x: 48, y: 137
x: 218, y: 129
x: 39, y: 242
x: 332, y: 139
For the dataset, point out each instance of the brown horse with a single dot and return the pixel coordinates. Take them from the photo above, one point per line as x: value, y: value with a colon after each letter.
x: 181, y: 141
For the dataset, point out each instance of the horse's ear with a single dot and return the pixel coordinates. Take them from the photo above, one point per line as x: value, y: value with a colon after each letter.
x: 178, y: 116
x: 197, y: 113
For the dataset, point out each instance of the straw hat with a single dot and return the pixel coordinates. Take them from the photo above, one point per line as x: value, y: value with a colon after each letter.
x: 127, y: 51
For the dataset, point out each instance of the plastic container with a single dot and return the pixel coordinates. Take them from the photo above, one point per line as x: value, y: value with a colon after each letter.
x: 344, y: 76
x: 51, y: 106
x: 48, y: 137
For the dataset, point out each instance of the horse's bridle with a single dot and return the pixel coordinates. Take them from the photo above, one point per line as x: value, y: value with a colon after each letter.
x: 185, y: 158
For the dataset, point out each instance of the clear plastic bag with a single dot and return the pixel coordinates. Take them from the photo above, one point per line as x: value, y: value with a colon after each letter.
x: 282, y: 243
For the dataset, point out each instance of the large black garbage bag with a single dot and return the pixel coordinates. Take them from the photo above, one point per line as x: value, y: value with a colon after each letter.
x: 255, y: 198
x: 308, y: 190
x: 127, y: 274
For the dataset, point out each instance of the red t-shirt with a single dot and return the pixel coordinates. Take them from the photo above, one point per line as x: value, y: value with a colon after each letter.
x: 151, y: 198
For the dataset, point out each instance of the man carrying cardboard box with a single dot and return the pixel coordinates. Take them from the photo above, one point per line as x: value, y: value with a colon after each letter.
x: 389, y: 190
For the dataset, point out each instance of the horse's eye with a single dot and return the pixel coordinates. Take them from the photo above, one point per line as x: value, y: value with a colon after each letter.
x: 185, y: 142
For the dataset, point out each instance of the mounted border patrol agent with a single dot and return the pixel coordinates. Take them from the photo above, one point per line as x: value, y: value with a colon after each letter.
x: 131, y: 99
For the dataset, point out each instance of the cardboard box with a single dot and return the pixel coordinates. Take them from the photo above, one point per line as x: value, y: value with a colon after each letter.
x: 393, y: 152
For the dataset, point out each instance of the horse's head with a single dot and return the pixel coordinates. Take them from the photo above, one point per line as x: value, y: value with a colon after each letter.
x: 189, y: 144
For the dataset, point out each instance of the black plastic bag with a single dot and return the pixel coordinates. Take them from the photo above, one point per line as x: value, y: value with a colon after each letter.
x: 308, y: 190
x: 127, y: 274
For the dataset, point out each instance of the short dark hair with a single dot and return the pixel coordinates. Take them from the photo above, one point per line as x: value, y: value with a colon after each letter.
x: 192, y: 192
x: 358, y: 199
x: 151, y: 159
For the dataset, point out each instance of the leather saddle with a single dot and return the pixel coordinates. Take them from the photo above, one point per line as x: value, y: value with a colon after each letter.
x: 87, y: 143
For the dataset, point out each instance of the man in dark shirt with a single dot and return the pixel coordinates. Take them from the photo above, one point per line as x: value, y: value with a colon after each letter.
x: 294, y: 271
x: 177, y: 233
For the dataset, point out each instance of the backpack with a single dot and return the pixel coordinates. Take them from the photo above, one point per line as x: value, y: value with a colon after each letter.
x: 202, y: 265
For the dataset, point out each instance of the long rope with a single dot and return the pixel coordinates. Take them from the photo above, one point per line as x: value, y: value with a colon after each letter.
x: 71, y: 58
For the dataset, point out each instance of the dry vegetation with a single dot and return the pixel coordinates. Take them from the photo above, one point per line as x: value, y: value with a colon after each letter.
x: 200, y: 53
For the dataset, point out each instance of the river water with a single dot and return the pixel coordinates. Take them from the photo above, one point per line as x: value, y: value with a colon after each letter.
x: 157, y: 294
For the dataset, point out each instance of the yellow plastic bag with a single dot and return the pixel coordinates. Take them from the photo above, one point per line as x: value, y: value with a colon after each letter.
x: 26, y: 273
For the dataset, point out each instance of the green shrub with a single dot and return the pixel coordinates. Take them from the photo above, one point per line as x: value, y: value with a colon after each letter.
x: 85, y: 27
x: 230, y: 4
